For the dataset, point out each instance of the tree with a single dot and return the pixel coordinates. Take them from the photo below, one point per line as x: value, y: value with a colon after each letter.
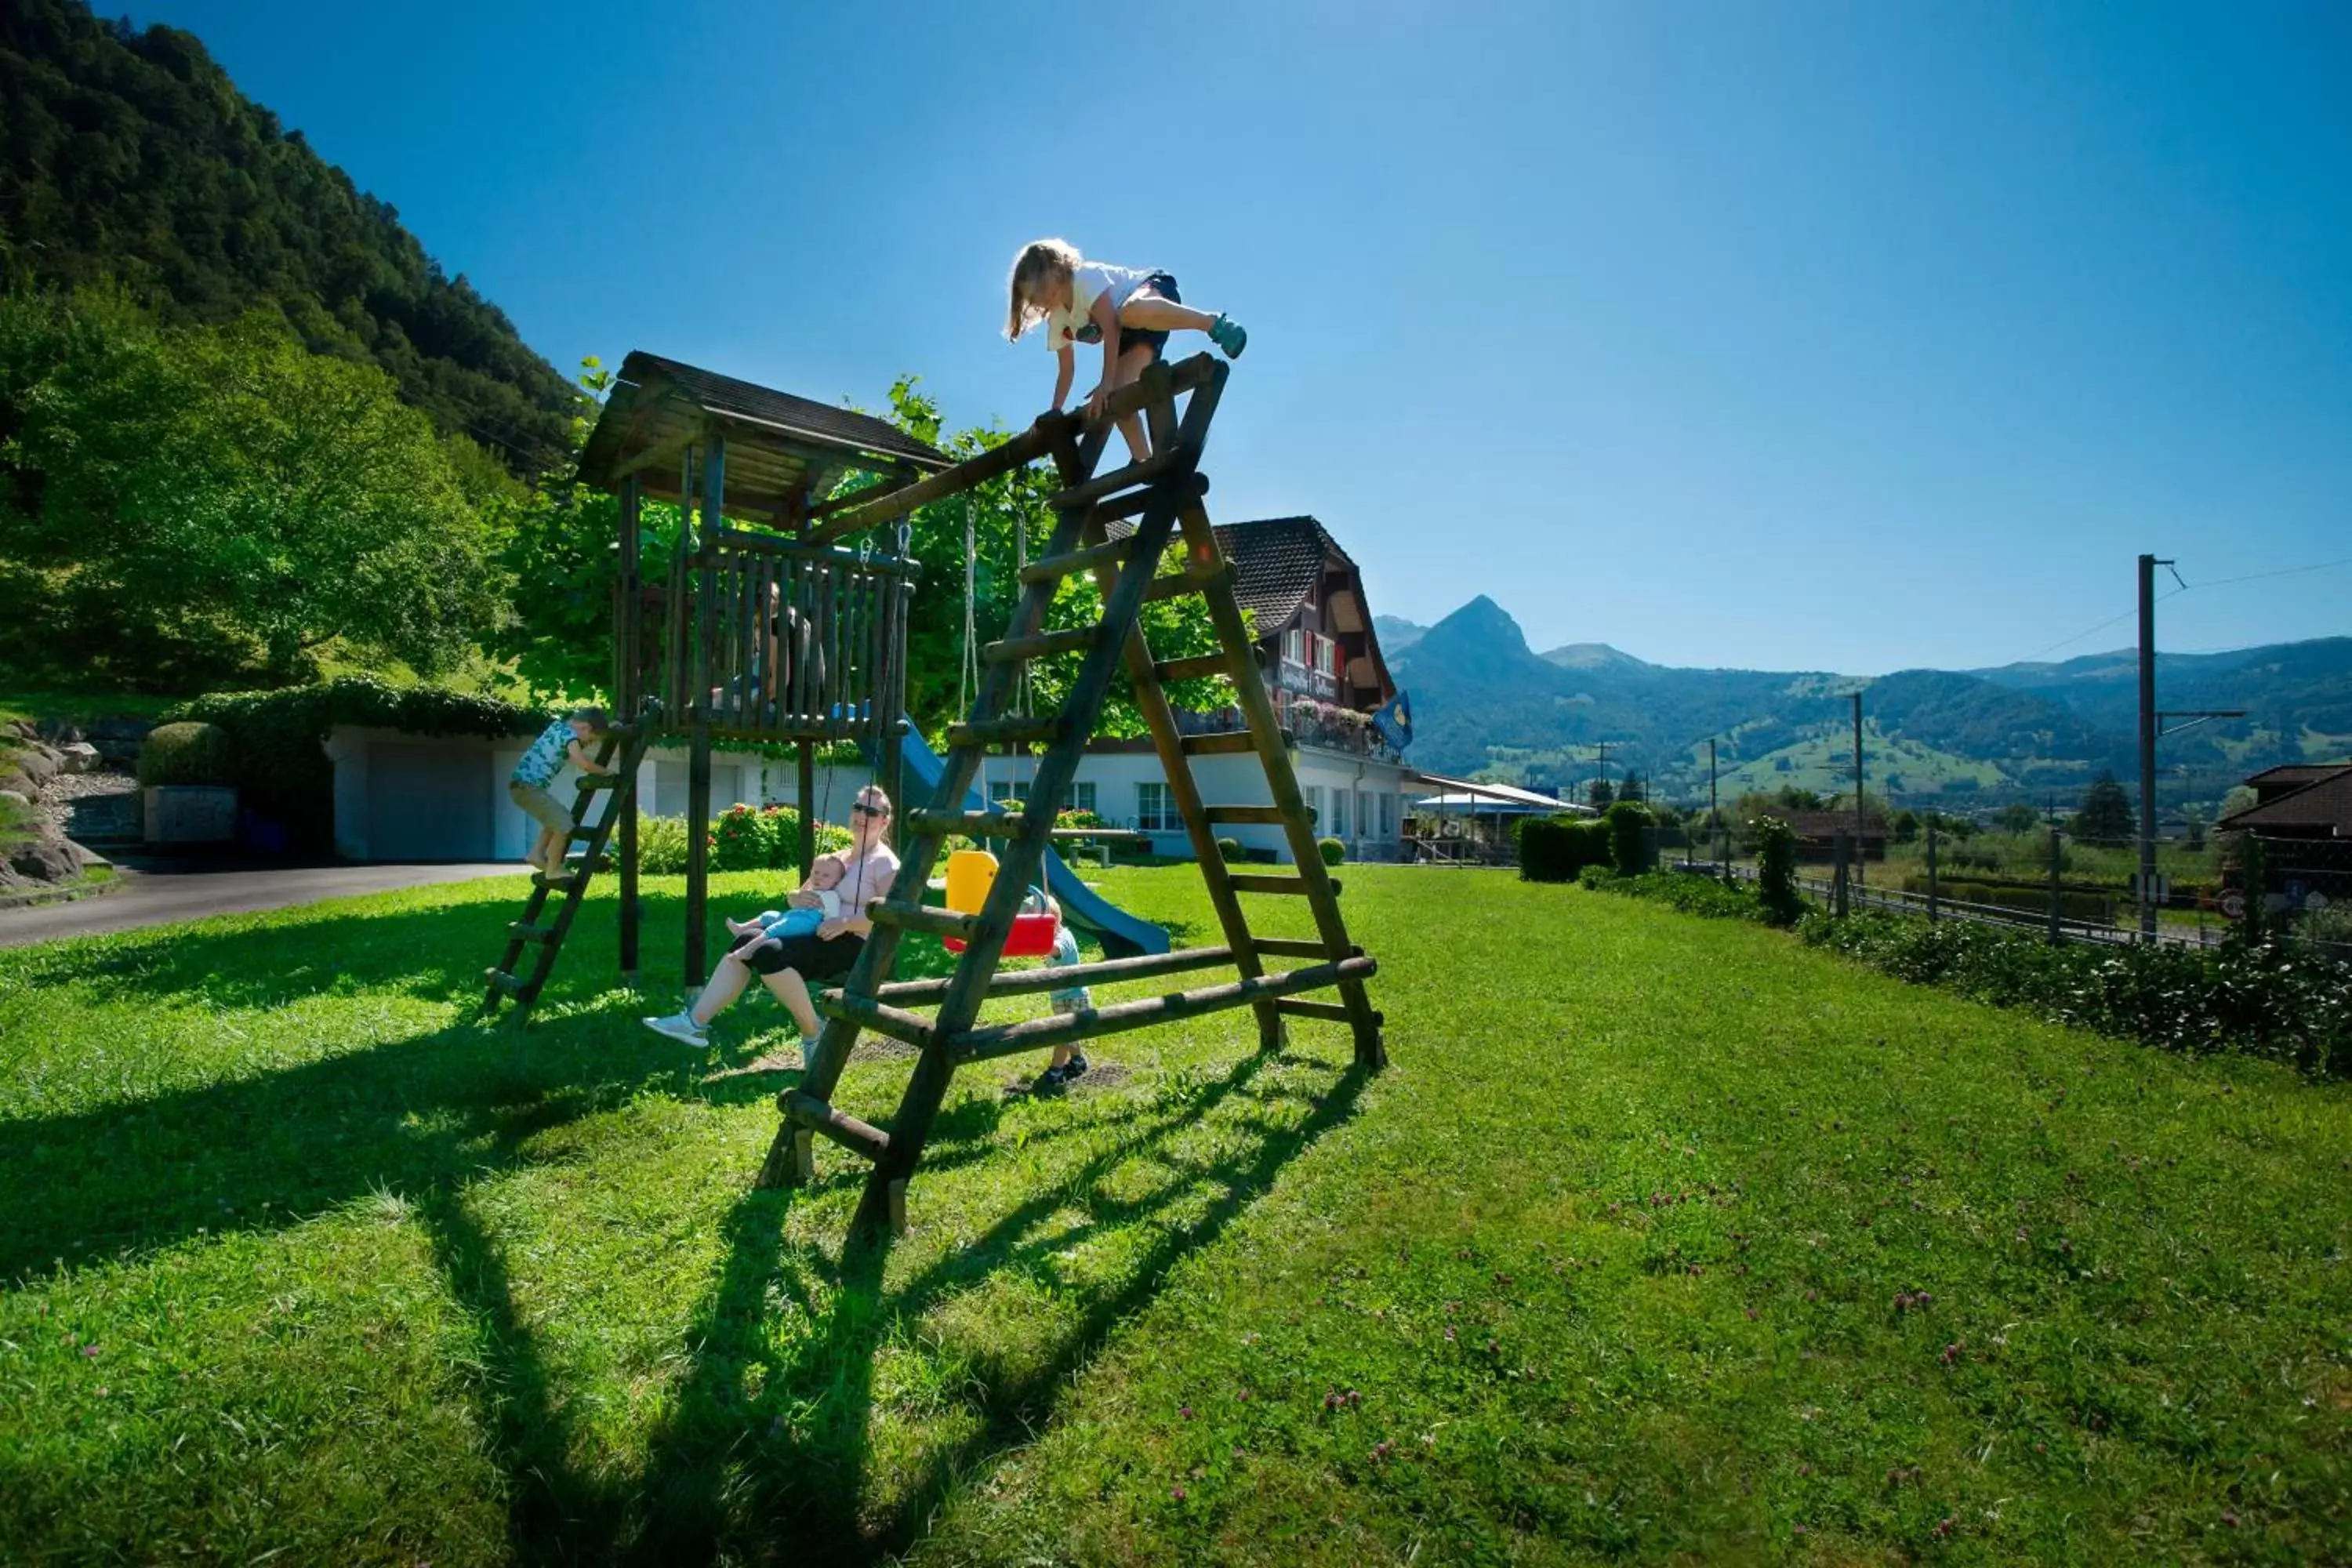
x: 1905, y: 826
x: 2106, y: 812
x: 1631, y: 787
x: 187, y: 503
x: 2017, y: 818
x: 1599, y: 795
x: 2242, y: 797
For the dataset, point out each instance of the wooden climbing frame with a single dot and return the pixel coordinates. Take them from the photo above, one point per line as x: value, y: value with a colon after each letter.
x: 1117, y: 526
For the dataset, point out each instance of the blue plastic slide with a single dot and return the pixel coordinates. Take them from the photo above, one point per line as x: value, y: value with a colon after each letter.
x: 1121, y: 934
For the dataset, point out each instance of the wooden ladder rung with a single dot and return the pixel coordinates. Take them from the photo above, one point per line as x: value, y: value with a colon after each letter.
x: 1102, y: 971
x: 1007, y: 731
x: 1262, y: 816
x: 1044, y: 644
x: 1329, y: 1012
x: 523, y: 931
x: 1246, y: 882
x: 1225, y: 743
x: 1296, y: 947
x: 1153, y: 466
x: 923, y: 918
x: 499, y: 980
x: 1197, y: 668
x: 1033, y: 1034
x: 970, y: 824
x: 881, y: 1018
x: 1176, y: 584
x: 807, y: 1111
x: 599, y: 781
x: 560, y: 883
x: 1054, y: 568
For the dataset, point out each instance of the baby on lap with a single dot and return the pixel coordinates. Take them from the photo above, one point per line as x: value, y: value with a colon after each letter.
x: 824, y: 877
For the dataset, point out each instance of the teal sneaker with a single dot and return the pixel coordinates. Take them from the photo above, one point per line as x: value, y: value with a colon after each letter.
x: 1229, y: 335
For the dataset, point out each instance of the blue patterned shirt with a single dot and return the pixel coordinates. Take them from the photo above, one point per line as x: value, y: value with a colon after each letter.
x: 545, y: 759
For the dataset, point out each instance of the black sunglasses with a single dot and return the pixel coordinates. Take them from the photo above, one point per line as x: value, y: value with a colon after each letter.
x: 862, y: 809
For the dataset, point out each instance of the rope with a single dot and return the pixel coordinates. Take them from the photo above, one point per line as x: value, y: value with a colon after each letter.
x: 968, y: 673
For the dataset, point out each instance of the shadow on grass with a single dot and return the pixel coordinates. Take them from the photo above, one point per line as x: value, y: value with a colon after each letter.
x: 765, y: 1455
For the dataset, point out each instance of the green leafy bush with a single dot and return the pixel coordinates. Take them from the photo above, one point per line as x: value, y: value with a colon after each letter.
x: 1334, y: 853
x: 1231, y: 848
x: 1632, y: 837
x: 186, y: 753
x: 1595, y: 877
x: 661, y: 845
x: 763, y: 838
x: 1693, y: 895
x: 1776, y: 870
x: 2258, y: 997
x: 1555, y: 848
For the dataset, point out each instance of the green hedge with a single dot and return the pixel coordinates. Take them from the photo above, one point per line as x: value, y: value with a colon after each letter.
x: 1334, y: 853
x: 277, y: 738
x: 1691, y: 893
x: 1556, y: 848
x: 2259, y: 998
x: 1632, y: 837
x: 186, y: 753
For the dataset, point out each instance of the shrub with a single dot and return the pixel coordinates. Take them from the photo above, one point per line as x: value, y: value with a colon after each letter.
x: 2252, y: 996
x: 1555, y: 848
x: 186, y: 753
x: 1334, y: 853
x: 1595, y: 877
x: 1776, y: 870
x: 661, y: 844
x: 1231, y: 848
x: 1073, y: 817
x: 1632, y: 837
x: 1693, y: 895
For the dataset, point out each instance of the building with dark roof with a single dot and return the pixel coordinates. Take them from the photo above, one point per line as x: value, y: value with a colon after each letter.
x: 2301, y: 801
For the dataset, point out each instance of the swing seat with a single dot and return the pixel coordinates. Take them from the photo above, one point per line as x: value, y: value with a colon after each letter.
x: 1033, y: 936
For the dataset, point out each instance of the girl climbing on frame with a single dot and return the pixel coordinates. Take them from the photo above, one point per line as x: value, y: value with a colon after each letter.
x: 1129, y: 311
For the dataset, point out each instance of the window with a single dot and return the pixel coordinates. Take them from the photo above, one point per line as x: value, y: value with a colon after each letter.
x: 1009, y: 792
x: 1364, y: 815
x: 1339, y: 814
x: 1294, y: 646
x: 1154, y: 812
x: 1388, y: 815
x: 1314, y: 795
x: 1082, y: 795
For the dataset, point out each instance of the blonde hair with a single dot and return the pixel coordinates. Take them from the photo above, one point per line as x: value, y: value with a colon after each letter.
x: 1040, y: 262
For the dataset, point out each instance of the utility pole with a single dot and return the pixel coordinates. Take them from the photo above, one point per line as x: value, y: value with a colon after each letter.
x: 2149, y: 725
x: 1861, y: 843
x: 1602, y: 765
x: 1714, y: 814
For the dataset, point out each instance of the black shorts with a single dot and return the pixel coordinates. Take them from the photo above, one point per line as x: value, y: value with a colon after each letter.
x: 812, y: 957
x: 1162, y: 284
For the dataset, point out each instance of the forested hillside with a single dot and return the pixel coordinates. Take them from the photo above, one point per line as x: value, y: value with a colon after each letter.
x: 129, y: 158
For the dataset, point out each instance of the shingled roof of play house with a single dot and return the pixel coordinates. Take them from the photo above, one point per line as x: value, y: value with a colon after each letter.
x: 1276, y: 564
x: 779, y: 448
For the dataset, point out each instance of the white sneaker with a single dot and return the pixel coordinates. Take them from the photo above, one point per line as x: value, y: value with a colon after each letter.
x: 681, y: 1028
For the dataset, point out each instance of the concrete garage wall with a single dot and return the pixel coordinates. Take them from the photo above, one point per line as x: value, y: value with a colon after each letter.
x: 427, y: 803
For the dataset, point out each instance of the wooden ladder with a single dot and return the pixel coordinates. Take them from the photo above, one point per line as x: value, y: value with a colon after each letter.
x: 1162, y: 495
x: 544, y: 937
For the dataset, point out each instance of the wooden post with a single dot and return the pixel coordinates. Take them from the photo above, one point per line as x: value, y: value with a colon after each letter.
x: 1935, y: 891
x: 805, y: 797
x: 1838, y: 873
x: 2056, y: 851
x: 712, y: 520
x: 628, y: 698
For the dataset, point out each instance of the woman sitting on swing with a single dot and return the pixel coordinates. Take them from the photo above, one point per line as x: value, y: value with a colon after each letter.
x: 868, y: 867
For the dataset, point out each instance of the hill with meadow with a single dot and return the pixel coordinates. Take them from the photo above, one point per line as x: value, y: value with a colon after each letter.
x: 1485, y: 701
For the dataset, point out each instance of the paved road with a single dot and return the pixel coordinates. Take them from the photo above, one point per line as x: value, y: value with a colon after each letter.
x: 159, y: 897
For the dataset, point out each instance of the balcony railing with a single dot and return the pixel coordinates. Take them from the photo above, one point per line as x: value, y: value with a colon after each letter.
x: 1305, y: 730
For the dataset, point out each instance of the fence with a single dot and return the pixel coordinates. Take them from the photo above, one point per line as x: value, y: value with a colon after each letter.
x: 2307, y: 889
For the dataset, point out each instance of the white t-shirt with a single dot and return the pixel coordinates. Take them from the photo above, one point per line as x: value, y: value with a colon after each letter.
x: 1090, y: 280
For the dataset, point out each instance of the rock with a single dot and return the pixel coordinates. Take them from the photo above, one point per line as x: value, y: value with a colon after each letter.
x: 79, y: 757
x: 15, y: 797
x: 118, y: 739
x: 47, y: 860
x: 59, y: 731
x: 36, y: 762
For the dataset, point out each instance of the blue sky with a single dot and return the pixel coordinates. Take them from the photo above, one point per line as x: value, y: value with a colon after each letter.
x: 1801, y: 336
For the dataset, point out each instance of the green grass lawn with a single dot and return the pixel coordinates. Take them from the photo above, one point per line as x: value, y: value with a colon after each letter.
x: 1661, y: 1239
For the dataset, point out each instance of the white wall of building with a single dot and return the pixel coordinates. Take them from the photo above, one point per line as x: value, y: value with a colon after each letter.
x: 1371, y: 832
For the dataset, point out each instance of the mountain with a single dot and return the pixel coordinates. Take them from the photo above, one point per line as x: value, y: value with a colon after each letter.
x: 1593, y: 655
x: 1483, y: 702
x: 129, y: 160
x: 1396, y: 633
